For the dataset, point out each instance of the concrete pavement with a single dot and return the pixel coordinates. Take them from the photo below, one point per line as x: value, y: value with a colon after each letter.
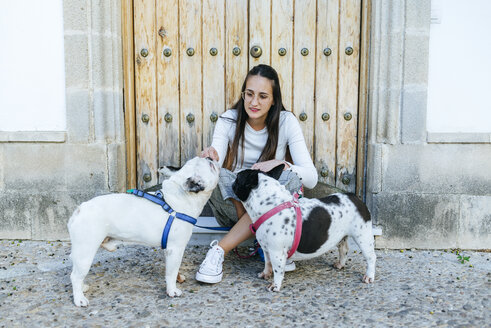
x: 413, y: 288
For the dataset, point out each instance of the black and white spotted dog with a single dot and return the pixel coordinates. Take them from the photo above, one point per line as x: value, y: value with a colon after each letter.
x: 327, y: 222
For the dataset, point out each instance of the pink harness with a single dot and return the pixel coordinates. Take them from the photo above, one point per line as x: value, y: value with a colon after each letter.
x: 277, y: 209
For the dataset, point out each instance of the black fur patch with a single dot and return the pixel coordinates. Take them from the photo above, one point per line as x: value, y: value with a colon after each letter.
x: 360, y: 206
x: 171, y: 168
x: 246, y: 181
x: 332, y: 199
x: 275, y: 172
x: 315, y: 230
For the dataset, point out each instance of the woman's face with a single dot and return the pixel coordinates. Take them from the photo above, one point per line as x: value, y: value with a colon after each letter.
x: 258, y: 99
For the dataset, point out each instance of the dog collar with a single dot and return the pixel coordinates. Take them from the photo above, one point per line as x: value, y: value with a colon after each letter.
x: 298, y: 230
x: 158, y: 198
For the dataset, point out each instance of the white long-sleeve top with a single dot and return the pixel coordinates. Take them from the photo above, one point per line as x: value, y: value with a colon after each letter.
x: 289, y: 134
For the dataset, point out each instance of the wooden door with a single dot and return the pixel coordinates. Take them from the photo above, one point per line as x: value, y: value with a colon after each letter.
x: 191, y: 56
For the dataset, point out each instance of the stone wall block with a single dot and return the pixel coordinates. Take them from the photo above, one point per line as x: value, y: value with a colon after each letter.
x: 78, y: 115
x: 52, y: 212
x: 34, y: 168
x: 374, y: 168
x: 413, y: 126
x: 105, y: 116
x: 418, y: 15
x: 417, y: 220
x: 396, y: 13
x: 76, y: 61
x: 386, y: 114
x: 75, y: 16
x: 475, y: 222
x: 16, y: 215
x: 107, y: 45
x: 117, y: 167
x: 438, y: 169
x: 103, y: 66
x: 108, y: 116
x: 2, y: 164
x: 87, y: 168
x: 386, y: 70
x: 416, y: 60
x: 102, y: 16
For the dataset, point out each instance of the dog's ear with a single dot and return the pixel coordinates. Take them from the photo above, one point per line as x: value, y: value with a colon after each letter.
x: 168, y: 171
x: 194, y: 184
x: 246, y: 181
x: 275, y: 172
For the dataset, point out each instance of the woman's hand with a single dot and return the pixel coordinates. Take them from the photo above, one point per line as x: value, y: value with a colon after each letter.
x: 269, y: 165
x: 210, y: 152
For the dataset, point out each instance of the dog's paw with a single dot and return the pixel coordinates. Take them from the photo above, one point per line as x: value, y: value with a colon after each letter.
x: 181, y: 278
x: 174, y: 293
x: 109, y: 244
x: 81, y: 301
x: 368, y: 280
x: 264, y: 275
x: 338, y: 265
x: 273, y: 288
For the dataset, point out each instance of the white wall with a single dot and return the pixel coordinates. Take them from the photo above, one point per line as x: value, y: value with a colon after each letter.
x: 32, y: 66
x: 460, y: 67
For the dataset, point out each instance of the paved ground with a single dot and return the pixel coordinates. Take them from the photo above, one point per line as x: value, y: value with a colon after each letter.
x: 412, y: 289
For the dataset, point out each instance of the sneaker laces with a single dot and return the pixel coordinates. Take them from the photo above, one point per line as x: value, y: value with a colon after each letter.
x: 214, y: 255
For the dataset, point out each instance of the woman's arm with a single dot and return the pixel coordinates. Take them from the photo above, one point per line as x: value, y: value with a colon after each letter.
x: 302, y: 162
x: 225, y: 124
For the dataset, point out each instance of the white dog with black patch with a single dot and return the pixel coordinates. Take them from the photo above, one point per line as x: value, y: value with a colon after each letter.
x: 126, y: 217
x: 326, y: 222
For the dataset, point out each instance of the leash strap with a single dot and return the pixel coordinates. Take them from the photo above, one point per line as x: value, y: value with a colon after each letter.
x: 214, y: 228
x: 159, y: 199
x: 277, y: 209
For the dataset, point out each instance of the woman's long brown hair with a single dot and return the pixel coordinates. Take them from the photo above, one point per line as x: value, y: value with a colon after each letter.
x: 272, y: 120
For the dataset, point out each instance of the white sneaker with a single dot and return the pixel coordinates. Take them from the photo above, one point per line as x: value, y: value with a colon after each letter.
x: 290, y: 266
x: 210, y: 271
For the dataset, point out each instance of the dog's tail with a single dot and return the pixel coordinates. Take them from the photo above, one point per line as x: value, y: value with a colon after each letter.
x: 72, y: 218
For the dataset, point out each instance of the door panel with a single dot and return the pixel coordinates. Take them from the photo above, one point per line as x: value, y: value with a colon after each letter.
x: 169, y: 136
x: 347, y: 118
x: 213, y: 65
x: 190, y: 78
x: 326, y: 90
x: 259, y: 32
x: 191, y: 58
x: 304, y: 68
x: 236, y: 58
x: 282, y: 38
x: 145, y: 91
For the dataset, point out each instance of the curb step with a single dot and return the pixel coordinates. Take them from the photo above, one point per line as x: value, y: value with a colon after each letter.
x: 203, y: 236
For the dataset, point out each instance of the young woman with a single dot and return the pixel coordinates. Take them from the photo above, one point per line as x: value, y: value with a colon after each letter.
x: 255, y: 134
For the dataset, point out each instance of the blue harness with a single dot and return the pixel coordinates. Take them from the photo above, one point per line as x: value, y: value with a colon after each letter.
x: 159, y: 199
